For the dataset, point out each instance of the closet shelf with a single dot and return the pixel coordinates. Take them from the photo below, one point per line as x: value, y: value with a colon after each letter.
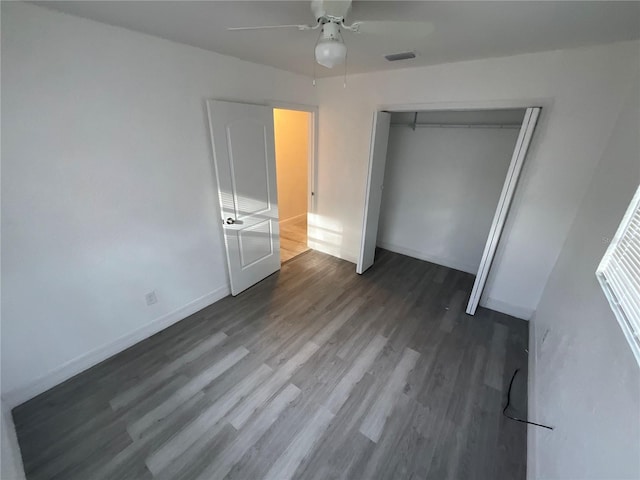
x: 455, y: 125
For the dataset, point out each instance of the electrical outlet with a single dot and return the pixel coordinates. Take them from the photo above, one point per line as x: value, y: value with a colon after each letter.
x: 151, y: 298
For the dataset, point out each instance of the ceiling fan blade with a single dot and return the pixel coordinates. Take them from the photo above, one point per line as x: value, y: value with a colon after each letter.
x: 269, y: 27
x: 394, y: 28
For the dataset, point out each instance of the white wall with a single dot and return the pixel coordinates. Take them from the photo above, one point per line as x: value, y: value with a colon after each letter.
x: 585, y: 379
x: 107, y: 187
x: 581, y: 91
x: 441, y: 189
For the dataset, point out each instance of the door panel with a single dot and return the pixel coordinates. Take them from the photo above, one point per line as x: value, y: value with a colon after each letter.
x: 375, y: 179
x: 508, y: 190
x: 244, y: 160
x: 255, y: 243
x: 248, y: 161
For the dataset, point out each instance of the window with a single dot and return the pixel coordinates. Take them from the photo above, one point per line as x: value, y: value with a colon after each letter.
x: 619, y: 274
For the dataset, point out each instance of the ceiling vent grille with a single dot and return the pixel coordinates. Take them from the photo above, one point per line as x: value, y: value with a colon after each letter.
x: 394, y: 57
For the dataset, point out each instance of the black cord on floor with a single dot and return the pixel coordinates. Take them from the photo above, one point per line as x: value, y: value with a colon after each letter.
x: 504, y: 410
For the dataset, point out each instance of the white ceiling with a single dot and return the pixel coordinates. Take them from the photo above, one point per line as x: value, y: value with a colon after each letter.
x: 463, y: 30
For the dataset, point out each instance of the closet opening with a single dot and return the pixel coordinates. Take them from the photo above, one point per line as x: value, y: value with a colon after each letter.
x: 440, y: 184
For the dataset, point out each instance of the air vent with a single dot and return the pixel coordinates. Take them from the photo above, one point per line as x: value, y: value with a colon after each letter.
x: 394, y: 57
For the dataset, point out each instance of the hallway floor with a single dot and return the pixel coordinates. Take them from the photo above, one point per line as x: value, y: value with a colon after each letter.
x: 293, y: 238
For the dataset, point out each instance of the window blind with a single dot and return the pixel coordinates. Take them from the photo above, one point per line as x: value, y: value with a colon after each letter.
x: 619, y: 274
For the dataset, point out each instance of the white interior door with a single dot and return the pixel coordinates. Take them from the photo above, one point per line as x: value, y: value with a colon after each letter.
x: 375, y: 179
x: 508, y: 189
x: 244, y: 160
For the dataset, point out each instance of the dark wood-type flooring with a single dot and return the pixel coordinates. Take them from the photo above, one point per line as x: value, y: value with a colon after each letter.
x: 314, y: 373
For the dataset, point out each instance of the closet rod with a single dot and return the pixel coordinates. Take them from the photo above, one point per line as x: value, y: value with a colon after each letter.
x: 454, y: 125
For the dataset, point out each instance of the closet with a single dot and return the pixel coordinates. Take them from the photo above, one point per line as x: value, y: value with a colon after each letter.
x: 440, y: 184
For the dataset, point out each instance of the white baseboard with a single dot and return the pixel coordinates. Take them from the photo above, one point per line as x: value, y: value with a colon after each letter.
x: 293, y: 219
x: 504, y: 307
x: 79, y: 364
x: 532, y: 437
x: 447, y: 262
x: 334, y: 251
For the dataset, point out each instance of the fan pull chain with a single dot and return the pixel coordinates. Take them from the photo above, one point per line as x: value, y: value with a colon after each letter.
x: 344, y: 83
x: 346, y: 56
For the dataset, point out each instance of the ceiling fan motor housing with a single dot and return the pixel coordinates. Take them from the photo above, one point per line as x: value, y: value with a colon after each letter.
x: 330, y: 31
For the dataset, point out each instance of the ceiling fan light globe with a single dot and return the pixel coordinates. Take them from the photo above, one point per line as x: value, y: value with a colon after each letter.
x: 330, y: 53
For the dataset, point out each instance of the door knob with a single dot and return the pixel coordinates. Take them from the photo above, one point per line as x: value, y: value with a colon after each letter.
x: 230, y: 221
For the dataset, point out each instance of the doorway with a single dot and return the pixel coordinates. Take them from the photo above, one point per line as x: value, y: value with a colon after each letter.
x: 293, y: 147
x: 449, y: 178
x: 243, y: 151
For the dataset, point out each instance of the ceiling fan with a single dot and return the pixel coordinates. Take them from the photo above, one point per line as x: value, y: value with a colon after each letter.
x: 330, y: 49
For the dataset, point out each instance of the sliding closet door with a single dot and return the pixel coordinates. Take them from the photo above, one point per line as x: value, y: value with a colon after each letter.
x: 373, y: 200
x: 508, y: 189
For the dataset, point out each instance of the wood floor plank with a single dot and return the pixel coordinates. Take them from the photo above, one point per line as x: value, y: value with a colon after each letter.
x: 453, y: 311
x: 375, y: 420
x: 342, y: 391
x: 261, y: 395
x: 198, y: 457
x: 459, y: 463
x: 60, y: 466
x: 362, y: 331
x: 343, y: 446
x: 394, y: 453
x: 286, y: 465
x: 166, y: 372
x: 130, y: 461
x: 186, y: 437
x: 194, y: 386
x: 247, y: 438
x: 495, y: 368
x: 441, y: 275
x: 334, y: 325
